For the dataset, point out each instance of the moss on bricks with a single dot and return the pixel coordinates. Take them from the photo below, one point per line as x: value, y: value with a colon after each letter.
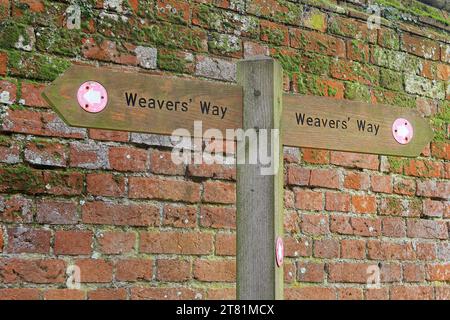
x: 12, y: 33
x: 440, y: 123
x: 391, y: 80
x: 59, y: 41
x: 36, y: 66
x: 356, y: 91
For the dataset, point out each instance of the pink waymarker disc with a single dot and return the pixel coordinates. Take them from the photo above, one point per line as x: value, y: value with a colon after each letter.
x: 92, y: 97
x: 279, y: 251
x: 402, y: 131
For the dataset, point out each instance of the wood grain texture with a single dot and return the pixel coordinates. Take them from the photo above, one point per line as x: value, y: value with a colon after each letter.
x: 259, y: 197
x: 351, y: 139
x: 117, y: 115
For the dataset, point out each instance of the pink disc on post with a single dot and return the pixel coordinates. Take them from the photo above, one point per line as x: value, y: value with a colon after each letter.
x: 402, y: 131
x: 279, y: 251
x: 92, y: 97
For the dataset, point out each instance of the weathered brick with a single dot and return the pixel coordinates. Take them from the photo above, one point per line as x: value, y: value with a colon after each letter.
x: 225, y: 244
x: 160, y: 293
x: 411, y: 293
x: 31, y: 94
x: 131, y: 270
x: 20, y: 294
x: 214, y: 270
x: 73, y: 242
x: 108, y: 294
x: 133, y: 214
x: 161, y: 163
x: 274, y: 33
x: 413, y: 272
x: 177, y: 243
x: 316, y: 156
x: 433, y: 208
x: 310, y: 272
x: 355, y: 226
x: 354, y: 71
x: 393, y: 227
x: 173, y: 270
x: 400, y: 207
x: 427, y: 229
x: 128, y: 159
x: 116, y: 242
x: 218, y: 217
x: 108, y: 135
x: 354, y: 160
x: 420, y: 46
x: 326, y: 178
x: 308, y: 200
x: 28, y: 240
x: 298, y: 176
x: 88, y: 155
x: 297, y: 247
x: 64, y: 294
x: 356, y: 180
x: 215, y: 68
x: 435, y: 189
x: 3, y: 63
x: 179, y: 216
x: 388, y: 38
x: 314, y: 224
x: 155, y: 188
x: 34, y: 271
x: 310, y: 293
x: 105, y: 184
x: 377, y: 294
x: 173, y: 10
x: 216, y: 171
x: 219, y: 192
x: 46, y: 153
x: 95, y: 270
x: 351, y: 28
x: 353, y: 249
x: 384, y: 250
x: 335, y: 201
x: 317, y: 42
x: 382, y: 184
x: 423, y: 168
x: 16, y: 209
x: 326, y: 248
x: 56, y: 212
x: 10, y: 151
x: 350, y: 294
x: 440, y: 150
x: 364, y: 204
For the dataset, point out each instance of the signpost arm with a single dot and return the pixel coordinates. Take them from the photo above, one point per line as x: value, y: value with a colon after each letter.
x: 260, y: 197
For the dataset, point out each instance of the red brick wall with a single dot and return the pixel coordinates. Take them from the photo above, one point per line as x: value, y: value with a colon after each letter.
x: 140, y: 227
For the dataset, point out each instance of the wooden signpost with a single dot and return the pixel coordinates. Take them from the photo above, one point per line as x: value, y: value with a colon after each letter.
x: 113, y: 99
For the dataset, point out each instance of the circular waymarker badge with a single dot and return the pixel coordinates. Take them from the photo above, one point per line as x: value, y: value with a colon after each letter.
x: 279, y: 251
x: 92, y: 97
x: 403, y: 131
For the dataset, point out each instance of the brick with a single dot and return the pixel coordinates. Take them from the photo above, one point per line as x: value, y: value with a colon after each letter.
x: 298, y: 176
x: 88, y: 155
x: 105, y: 184
x: 346, y: 272
x: 383, y: 250
x: 297, y: 247
x: 289, y: 199
x: 160, y: 293
x: 282, y: 11
x: 195, y: 243
x: 426, y: 251
x: 393, y: 227
x: 353, y: 249
x: 438, y: 272
x: 388, y: 38
x: 116, y: 242
x: 351, y: 28
x: 31, y: 94
x: 421, y: 47
x: 108, y: 51
x: 377, y: 294
x: 337, y: 201
x: 28, y: 240
x: 10, y: 151
x: 109, y: 135
x: 433, y: 208
x: 16, y: 208
x: 161, y: 163
x: 64, y: 294
x: 218, y: 217
x: 400, y: 207
x: 413, y: 272
x: 427, y: 229
x: 180, y: 216
x: 354, y: 160
x: 219, y: 192
x: 357, y: 51
x: 434, y: 189
x: 225, y: 45
x: 426, y: 107
x: 131, y: 270
x: 442, y: 293
x: 20, y: 294
x: 252, y: 49
x: 364, y: 204
x: 354, y: 71
x: 440, y: 150
x: 9, y: 91
x: 356, y: 180
x: 173, y: 270
x: 46, y: 153
x: 225, y: 244
x: 63, y: 183
x: 423, y: 168
x: 317, y: 42
x: 289, y: 273
x: 95, y: 270
x: 54, y: 126
x: 56, y: 212
x: 215, y: 171
x: 355, y: 226
x: 155, y: 188
x: 1, y: 240
x: 314, y: 224
x: 274, y: 33
x: 41, y: 271
x: 310, y: 293
x: 108, y: 294
x: 350, y: 294
x: 291, y: 221
x: 173, y: 10
x: 381, y: 184
x: 214, y: 270
x: 133, y: 214
x: 73, y: 242
x: 326, y: 248
x: 215, y: 68
x: 128, y: 159
x: 316, y: 156
x: 424, y: 87
x: 326, y: 178
x: 23, y: 121
x: 310, y: 272
x: 411, y: 293
x: 308, y: 200
x: 3, y: 63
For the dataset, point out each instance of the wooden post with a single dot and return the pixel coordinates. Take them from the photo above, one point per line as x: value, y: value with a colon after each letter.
x: 259, y: 197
